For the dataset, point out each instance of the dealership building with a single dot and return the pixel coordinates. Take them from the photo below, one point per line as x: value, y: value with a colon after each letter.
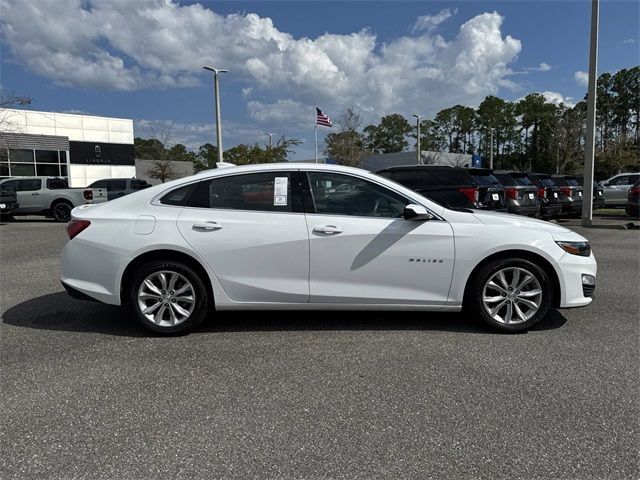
x: 81, y: 148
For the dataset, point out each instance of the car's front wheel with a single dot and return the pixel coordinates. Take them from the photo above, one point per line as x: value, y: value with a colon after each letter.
x: 168, y: 297
x: 510, y: 295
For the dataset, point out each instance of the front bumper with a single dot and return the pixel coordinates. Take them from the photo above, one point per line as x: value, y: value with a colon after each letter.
x: 571, y: 271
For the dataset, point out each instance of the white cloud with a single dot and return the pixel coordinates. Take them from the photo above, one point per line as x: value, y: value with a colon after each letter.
x: 282, y: 112
x: 142, y: 44
x: 431, y: 22
x: 582, y: 78
x: 630, y: 41
x: 557, y: 98
x: 192, y: 135
x: 543, y: 67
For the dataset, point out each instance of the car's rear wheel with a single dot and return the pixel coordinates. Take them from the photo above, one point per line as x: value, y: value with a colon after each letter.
x: 510, y: 295
x: 61, y: 212
x: 168, y: 297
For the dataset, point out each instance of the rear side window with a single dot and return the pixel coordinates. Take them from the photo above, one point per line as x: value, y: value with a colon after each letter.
x: 139, y: 184
x: 117, y: 185
x: 264, y: 192
x: 180, y: 196
x: 29, y: 185
x: 452, y: 177
x: 57, y: 183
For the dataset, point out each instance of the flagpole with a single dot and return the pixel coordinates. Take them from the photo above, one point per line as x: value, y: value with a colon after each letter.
x: 315, y: 121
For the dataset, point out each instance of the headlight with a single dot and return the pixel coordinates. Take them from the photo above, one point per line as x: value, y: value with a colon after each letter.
x: 576, y: 248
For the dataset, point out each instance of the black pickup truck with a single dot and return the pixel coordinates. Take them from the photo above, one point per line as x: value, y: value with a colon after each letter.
x: 8, y: 199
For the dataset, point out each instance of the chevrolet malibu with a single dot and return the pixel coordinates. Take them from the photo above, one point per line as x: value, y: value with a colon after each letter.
x: 316, y: 237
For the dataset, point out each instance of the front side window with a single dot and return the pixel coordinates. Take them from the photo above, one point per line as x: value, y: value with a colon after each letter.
x: 265, y: 192
x: 337, y: 194
x: 623, y: 180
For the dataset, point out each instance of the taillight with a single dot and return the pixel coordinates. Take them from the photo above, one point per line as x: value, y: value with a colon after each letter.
x: 88, y: 194
x: 542, y: 192
x: 74, y: 227
x: 566, y: 191
x: 471, y: 193
x: 634, y: 191
x: 511, y: 193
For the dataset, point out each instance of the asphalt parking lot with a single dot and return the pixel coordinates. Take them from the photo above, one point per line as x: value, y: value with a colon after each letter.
x: 87, y: 393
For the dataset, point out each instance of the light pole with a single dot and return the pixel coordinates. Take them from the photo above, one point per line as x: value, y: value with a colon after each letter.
x: 270, y: 139
x: 491, y: 152
x: 587, y: 184
x: 216, y: 90
x: 419, y: 148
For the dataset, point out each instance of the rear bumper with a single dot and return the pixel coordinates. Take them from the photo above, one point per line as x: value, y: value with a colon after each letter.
x: 571, y: 207
x: 524, y: 209
x: 550, y: 209
x: 89, y: 271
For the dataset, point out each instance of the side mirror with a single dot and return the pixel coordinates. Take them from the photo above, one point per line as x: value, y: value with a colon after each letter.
x: 416, y: 212
x: 604, y: 184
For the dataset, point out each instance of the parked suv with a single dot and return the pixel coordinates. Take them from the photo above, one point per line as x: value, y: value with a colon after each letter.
x: 598, y: 192
x: 617, y: 188
x: 119, y: 187
x: 490, y: 190
x: 571, y: 193
x: 549, y: 194
x: 521, y: 193
x: 633, y: 201
x: 449, y: 186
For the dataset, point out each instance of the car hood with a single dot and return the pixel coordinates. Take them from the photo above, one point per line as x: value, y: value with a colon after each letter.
x: 509, y: 220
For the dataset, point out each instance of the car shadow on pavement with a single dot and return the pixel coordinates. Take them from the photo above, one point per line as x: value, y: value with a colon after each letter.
x: 57, y: 311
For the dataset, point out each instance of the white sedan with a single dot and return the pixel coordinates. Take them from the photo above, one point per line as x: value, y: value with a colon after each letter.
x: 316, y: 237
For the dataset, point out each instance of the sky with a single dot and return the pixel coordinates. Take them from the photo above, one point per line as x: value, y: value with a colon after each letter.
x: 143, y: 59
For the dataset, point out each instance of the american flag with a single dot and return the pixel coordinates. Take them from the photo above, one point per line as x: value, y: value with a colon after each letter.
x: 322, y: 119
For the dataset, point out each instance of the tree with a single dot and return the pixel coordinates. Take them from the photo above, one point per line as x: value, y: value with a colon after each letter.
x: 347, y: 145
x: 389, y: 135
x: 162, y: 170
x: 247, y: 154
x: 206, y: 157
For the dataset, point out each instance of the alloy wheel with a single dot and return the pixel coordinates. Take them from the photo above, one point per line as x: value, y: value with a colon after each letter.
x: 166, y: 298
x: 512, y: 295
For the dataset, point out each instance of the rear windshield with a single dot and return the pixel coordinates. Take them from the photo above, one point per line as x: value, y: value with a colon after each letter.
x: 521, y: 179
x: 569, y: 181
x: 506, y: 179
x: 485, y: 178
x: 545, y: 181
x: 426, y: 177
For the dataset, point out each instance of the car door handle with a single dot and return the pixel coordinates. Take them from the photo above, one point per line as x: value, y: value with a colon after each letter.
x: 35, y: 193
x: 327, y: 229
x: 206, y: 227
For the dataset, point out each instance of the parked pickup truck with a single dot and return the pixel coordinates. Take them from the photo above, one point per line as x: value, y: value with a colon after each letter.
x: 8, y: 199
x: 51, y: 196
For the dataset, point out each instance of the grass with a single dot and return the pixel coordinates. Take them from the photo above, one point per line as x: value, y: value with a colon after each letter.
x: 612, y: 212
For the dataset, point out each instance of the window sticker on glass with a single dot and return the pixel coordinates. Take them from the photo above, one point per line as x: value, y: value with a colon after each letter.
x: 280, y: 186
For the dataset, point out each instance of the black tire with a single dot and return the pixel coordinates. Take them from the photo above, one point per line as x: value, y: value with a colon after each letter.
x: 201, y: 296
x: 474, y: 295
x: 61, y: 211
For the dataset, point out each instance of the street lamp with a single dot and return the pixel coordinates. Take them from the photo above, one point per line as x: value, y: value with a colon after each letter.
x: 216, y: 89
x: 418, y: 150
x: 270, y: 139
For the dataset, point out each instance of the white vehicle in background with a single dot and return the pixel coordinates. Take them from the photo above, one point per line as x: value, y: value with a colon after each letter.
x: 51, y: 196
x: 316, y: 237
